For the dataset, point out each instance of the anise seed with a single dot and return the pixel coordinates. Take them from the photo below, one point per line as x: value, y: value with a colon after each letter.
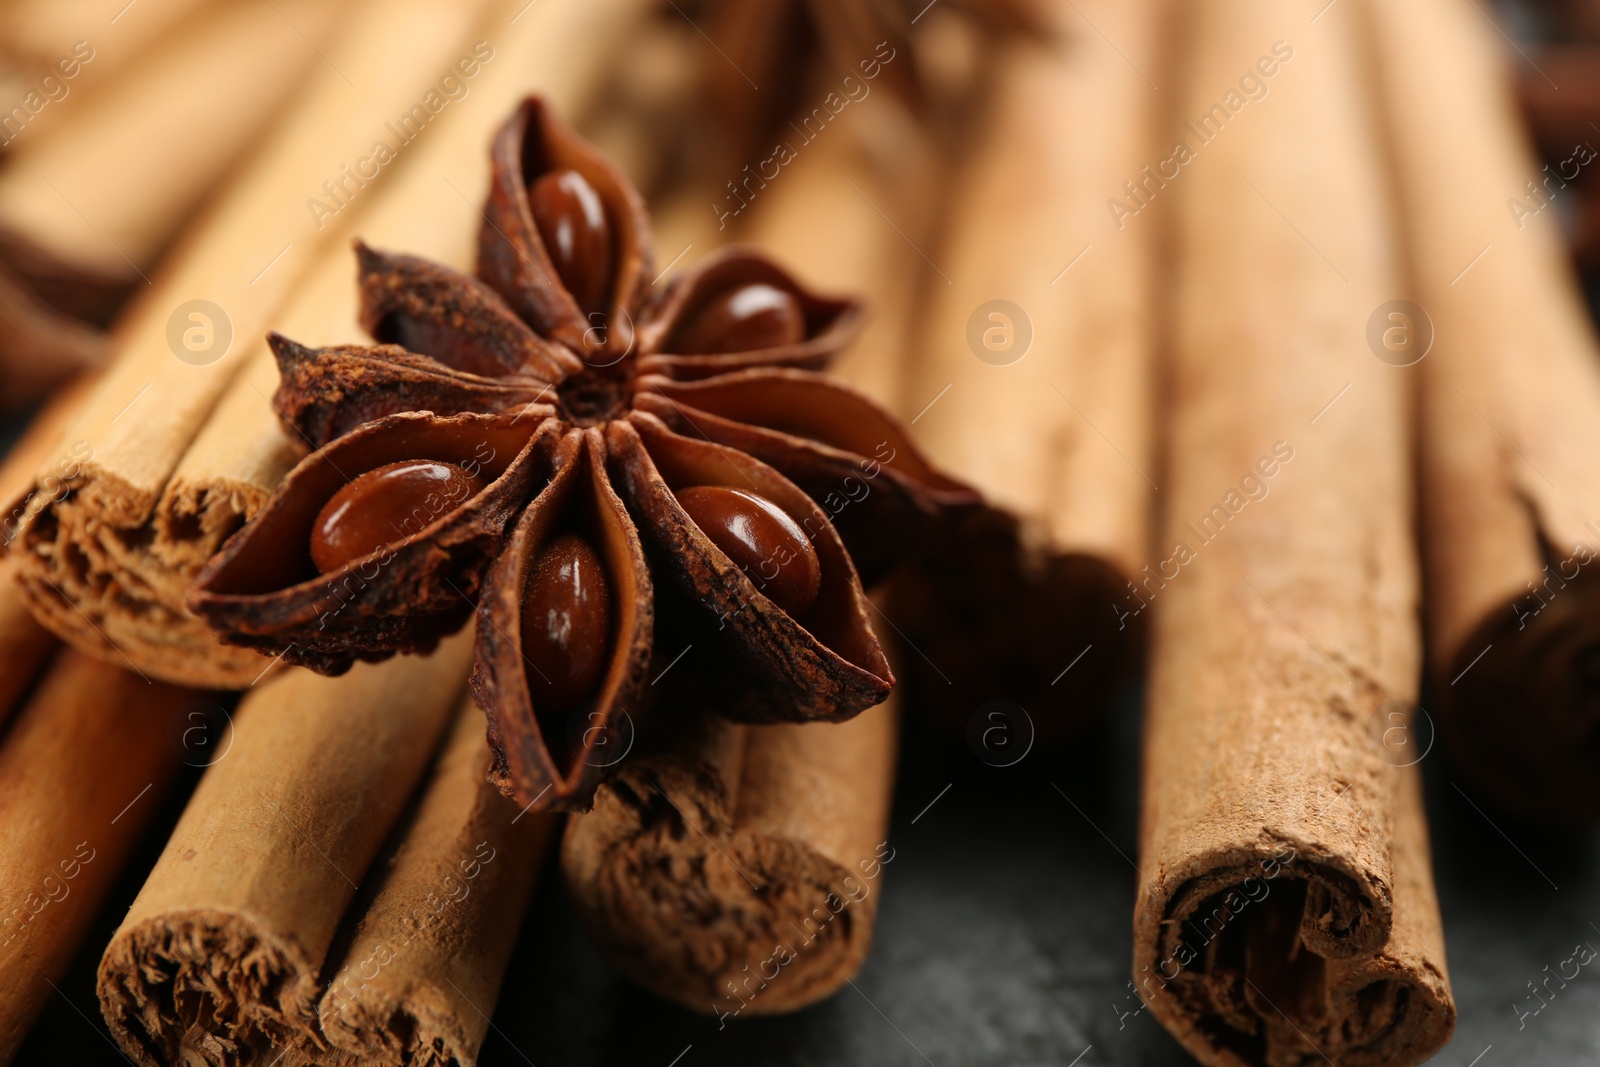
x: 385, y: 505
x: 566, y: 623
x: 761, y: 539
x: 747, y: 318
x: 572, y: 222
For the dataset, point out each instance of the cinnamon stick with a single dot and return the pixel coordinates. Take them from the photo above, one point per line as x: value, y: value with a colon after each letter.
x: 81, y: 772
x: 91, y: 569
x: 1034, y: 364
x: 72, y: 242
x: 424, y: 967
x: 1283, y: 912
x: 24, y: 644
x: 1509, y: 403
x: 239, y: 450
x: 220, y: 956
x: 82, y: 46
x: 737, y: 870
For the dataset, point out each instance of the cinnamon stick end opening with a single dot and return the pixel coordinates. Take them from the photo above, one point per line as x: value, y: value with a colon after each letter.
x: 206, y: 986
x: 719, y: 921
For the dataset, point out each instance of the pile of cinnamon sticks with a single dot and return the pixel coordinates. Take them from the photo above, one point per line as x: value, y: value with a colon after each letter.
x: 1261, y: 412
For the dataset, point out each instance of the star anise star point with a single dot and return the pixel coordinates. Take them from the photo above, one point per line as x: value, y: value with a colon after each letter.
x: 557, y: 445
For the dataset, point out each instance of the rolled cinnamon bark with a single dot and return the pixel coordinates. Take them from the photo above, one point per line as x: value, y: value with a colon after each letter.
x: 423, y: 970
x: 91, y: 569
x: 74, y: 240
x: 737, y: 869
x: 24, y: 644
x: 1283, y: 912
x: 1032, y: 380
x: 81, y: 772
x: 80, y: 47
x: 221, y: 955
x: 237, y: 451
x: 729, y: 850
x: 1509, y: 407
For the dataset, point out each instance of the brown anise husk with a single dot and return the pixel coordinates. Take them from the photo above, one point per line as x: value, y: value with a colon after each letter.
x: 609, y: 390
x: 243, y: 450
x: 96, y: 566
x: 803, y: 804
x: 1509, y: 405
x: 778, y: 54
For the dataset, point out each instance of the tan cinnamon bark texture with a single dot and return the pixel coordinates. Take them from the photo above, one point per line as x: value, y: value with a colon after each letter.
x: 24, y: 644
x: 1509, y: 407
x: 737, y: 870
x: 55, y: 55
x: 91, y: 568
x: 86, y: 206
x: 81, y: 772
x: 220, y: 956
x: 423, y: 970
x: 1034, y: 364
x: 429, y: 209
x: 1283, y: 913
x: 234, y: 450
x: 728, y: 869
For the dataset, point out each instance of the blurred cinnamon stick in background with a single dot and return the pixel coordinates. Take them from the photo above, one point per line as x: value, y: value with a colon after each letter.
x: 87, y: 205
x: 81, y: 772
x: 1509, y: 403
x: 51, y: 52
x: 1031, y: 380
x: 91, y: 569
x: 1285, y: 912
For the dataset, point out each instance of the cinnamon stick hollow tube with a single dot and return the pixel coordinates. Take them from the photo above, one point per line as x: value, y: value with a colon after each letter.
x: 1509, y: 407
x: 90, y: 567
x: 737, y: 870
x: 81, y: 772
x: 221, y: 954
x: 86, y: 207
x: 1034, y: 363
x: 424, y: 965
x: 1283, y: 914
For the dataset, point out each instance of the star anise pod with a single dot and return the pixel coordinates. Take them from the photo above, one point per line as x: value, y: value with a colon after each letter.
x: 772, y: 53
x: 564, y: 445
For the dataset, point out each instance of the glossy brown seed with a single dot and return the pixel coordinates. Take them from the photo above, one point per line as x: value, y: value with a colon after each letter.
x: 386, y: 505
x: 572, y: 221
x: 746, y: 318
x: 761, y: 539
x: 566, y: 623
